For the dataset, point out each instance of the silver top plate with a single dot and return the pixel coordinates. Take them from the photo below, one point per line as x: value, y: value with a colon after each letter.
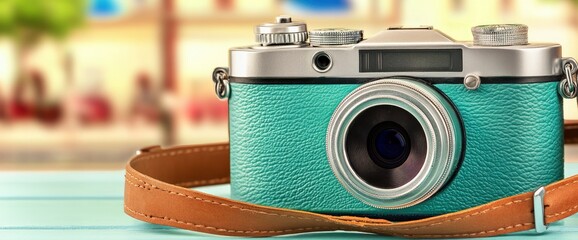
x: 532, y: 60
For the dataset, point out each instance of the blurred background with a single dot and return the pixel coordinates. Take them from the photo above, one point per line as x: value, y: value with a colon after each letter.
x: 83, y: 84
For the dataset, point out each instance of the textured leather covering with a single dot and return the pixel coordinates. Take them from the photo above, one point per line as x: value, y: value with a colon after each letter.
x: 277, y: 133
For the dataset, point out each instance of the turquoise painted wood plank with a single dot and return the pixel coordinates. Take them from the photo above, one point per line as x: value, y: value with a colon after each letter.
x: 88, y: 205
x: 87, y: 184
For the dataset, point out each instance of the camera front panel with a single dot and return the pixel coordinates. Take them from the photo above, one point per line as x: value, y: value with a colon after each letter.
x: 513, y: 144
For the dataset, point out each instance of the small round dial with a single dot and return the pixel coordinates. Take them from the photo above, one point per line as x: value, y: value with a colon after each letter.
x: 282, y: 32
x: 500, y: 35
x: 335, y: 36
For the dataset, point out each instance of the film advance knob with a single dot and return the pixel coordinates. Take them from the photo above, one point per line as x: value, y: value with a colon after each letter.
x: 283, y: 32
x: 335, y: 36
x: 500, y: 35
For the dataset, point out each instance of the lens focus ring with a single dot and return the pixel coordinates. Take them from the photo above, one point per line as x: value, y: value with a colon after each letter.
x: 377, y: 103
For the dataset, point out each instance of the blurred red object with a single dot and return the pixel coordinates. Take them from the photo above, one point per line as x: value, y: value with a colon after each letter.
x: 194, y: 112
x: 45, y: 111
x: 145, y: 105
x: 19, y: 110
x: 94, y: 109
x: 207, y: 110
x: 49, y: 112
x: 225, y: 5
x: 29, y: 101
x: 218, y: 110
x: 3, y: 108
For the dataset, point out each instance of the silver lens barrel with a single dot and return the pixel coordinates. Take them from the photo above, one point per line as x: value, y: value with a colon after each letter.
x: 441, y: 127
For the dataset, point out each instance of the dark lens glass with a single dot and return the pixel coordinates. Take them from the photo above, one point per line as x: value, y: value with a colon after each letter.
x: 386, y: 146
x: 390, y: 144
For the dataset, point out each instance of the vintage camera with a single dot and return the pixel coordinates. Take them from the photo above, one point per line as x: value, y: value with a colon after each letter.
x: 408, y: 123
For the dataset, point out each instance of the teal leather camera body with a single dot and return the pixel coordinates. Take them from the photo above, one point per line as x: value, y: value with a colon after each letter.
x: 406, y: 124
x: 513, y: 144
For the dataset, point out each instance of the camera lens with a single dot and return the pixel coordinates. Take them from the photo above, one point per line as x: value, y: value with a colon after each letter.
x: 388, y: 145
x: 321, y: 62
x: 381, y: 151
x: 394, y: 143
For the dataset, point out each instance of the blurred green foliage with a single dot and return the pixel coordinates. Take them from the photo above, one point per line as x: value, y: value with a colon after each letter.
x: 40, y: 17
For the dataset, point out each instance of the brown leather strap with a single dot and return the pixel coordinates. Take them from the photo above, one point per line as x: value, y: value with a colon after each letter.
x: 156, y: 191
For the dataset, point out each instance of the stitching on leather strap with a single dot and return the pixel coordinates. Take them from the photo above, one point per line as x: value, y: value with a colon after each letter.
x: 214, y: 202
x: 570, y: 183
x: 439, y: 223
x: 512, y: 202
x: 470, y: 234
x: 136, y: 185
x: 464, y: 217
x: 481, y: 212
x: 560, y: 213
x: 179, y: 152
x: 184, y: 184
x: 361, y: 220
x: 223, y: 229
x: 203, y: 182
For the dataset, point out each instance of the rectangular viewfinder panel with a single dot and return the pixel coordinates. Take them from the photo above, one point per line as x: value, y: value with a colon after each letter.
x: 411, y: 60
